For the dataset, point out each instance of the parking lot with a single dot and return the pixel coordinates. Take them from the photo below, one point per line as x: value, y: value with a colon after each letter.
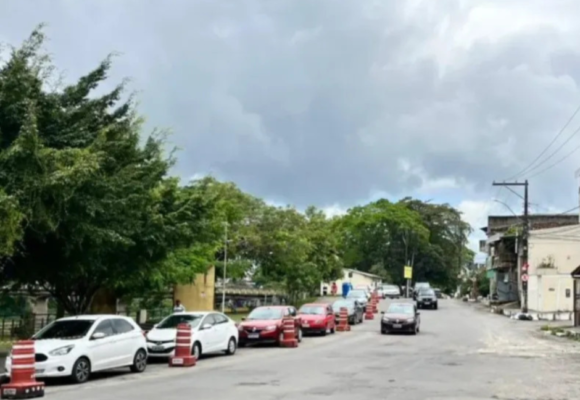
x: 459, y: 354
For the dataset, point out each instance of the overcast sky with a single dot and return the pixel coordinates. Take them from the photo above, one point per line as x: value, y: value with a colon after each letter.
x: 335, y: 103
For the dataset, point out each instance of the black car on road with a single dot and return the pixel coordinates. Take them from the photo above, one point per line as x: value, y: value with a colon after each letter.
x: 419, y: 286
x: 426, y: 298
x: 401, y: 317
x: 355, y: 310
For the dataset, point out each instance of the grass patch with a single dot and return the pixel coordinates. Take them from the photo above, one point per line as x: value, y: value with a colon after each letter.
x: 237, y: 317
x: 5, y: 347
x: 561, y: 331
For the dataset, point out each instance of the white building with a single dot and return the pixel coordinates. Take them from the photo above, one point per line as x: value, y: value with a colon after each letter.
x: 353, y: 276
x: 552, y: 256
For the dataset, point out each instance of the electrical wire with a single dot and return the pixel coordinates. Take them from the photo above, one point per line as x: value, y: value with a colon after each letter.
x: 556, y: 163
x: 525, y: 170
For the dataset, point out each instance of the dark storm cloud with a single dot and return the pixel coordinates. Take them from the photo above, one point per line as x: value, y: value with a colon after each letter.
x: 319, y: 101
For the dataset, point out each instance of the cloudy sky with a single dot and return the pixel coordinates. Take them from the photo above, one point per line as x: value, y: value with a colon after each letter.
x: 335, y: 103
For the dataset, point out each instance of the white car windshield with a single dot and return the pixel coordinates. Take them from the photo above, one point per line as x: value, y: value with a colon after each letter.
x: 172, y: 321
x: 426, y: 292
x: 356, y: 293
x: 401, y: 309
x: 265, y: 313
x: 67, y: 329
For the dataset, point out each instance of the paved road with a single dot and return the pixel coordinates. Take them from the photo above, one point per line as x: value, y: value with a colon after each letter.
x: 460, y: 354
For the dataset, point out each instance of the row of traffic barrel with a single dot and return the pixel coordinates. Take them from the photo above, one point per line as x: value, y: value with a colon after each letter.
x: 371, y: 309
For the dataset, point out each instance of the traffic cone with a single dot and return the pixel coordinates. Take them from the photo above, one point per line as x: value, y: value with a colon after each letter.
x: 369, y: 312
x: 289, y: 329
x: 182, y: 356
x: 343, y: 325
x: 23, y: 384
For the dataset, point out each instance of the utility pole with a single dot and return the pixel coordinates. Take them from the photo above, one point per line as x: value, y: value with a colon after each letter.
x: 225, y: 267
x: 525, y: 235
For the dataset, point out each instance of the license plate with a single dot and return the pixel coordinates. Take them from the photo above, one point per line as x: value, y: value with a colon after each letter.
x: 9, y: 392
x: 253, y: 335
x: 177, y: 361
x: 157, y: 348
x: 306, y: 325
x: 397, y: 326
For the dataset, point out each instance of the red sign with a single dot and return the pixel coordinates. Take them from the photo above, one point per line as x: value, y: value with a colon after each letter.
x: 525, y: 277
x: 525, y: 267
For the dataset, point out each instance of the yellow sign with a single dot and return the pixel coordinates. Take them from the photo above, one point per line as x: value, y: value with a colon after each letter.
x: 408, y: 272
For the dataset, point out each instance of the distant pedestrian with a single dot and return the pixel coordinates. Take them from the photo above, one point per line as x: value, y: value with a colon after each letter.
x: 345, y: 289
x: 178, y: 307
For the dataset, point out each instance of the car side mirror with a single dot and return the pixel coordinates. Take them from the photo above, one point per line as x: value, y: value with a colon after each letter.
x: 382, y: 313
x: 98, y: 335
x: 206, y: 326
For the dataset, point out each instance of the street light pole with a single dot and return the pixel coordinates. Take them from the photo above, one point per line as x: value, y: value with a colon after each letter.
x: 225, y: 267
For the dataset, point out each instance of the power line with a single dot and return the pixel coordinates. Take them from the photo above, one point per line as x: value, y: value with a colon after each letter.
x: 556, y: 163
x: 554, y: 153
x: 567, y: 211
x: 546, y: 148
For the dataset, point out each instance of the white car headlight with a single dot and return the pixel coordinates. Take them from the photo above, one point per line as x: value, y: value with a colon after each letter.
x: 411, y: 320
x: 270, y: 328
x: 62, y: 351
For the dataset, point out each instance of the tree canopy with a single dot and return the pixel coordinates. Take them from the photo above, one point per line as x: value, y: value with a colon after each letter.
x: 87, y: 202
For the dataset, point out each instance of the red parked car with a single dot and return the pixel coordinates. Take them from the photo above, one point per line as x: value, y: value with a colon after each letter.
x: 264, y: 325
x: 317, y: 318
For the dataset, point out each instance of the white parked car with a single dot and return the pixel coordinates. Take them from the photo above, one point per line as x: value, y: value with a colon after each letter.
x: 77, y: 346
x: 211, y: 332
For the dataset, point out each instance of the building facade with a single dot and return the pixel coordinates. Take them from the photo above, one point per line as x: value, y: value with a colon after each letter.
x: 353, y: 276
x: 552, y: 256
x: 504, y: 251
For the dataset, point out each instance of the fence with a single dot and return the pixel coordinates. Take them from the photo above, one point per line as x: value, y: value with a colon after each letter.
x: 22, y: 327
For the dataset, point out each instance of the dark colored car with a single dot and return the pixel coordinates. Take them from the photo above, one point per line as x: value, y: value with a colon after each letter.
x: 401, y: 317
x: 264, y: 325
x: 426, y: 298
x: 418, y: 287
x: 317, y: 318
x: 355, y: 310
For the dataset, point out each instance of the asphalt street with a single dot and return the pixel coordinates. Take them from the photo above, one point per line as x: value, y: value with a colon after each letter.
x: 461, y: 354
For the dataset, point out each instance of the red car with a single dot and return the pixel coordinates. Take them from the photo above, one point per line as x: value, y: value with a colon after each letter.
x: 317, y: 318
x: 264, y: 325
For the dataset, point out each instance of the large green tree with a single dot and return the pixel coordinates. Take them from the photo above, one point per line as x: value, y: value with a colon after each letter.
x: 95, y: 206
x: 382, y: 237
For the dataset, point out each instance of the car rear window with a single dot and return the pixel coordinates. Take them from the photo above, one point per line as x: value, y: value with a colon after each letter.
x: 172, y: 321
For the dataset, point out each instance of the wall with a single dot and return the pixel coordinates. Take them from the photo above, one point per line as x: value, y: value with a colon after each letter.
x: 547, y: 286
x: 357, y: 279
x: 501, y: 223
x: 200, y: 295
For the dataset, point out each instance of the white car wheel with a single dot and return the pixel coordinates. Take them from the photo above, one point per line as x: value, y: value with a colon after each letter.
x: 232, y: 346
